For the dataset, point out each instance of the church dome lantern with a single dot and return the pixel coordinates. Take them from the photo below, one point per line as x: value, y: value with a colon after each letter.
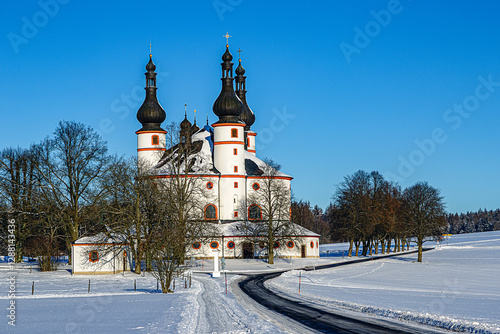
x: 227, y: 106
x: 151, y: 114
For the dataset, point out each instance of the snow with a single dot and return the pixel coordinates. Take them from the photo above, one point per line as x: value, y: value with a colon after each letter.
x: 456, y: 286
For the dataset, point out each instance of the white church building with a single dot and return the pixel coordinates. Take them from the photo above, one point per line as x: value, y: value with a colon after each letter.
x: 225, y: 165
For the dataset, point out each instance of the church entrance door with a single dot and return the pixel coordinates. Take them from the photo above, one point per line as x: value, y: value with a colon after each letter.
x: 303, y: 250
x: 247, y: 250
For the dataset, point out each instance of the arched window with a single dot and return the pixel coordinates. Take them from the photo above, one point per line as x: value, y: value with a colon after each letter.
x: 210, y: 212
x: 311, y: 244
x: 93, y: 256
x: 155, y: 140
x: 254, y: 212
x: 234, y: 133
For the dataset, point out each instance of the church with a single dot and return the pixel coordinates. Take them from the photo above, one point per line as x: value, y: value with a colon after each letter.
x: 223, y: 159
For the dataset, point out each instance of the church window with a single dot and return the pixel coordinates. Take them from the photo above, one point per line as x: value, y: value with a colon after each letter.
x: 210, y: 185
x: 261, y: 244
x: 236, y: 169
x: 290, y: 244
x: 230, y: 244
x: 214, y: 245
x: 235, y: 151
x: 196, y: 245
x: 234, y: 133
x: 311, y: 244
x: 276, y: 245
x: 155, y: 140
x: 236, y: 184
x: 93, y: 256
x: 255, y: 186
x: 236, y: 214
x: 317, y: 244
x: 254, y: 212
x: 210, y: 212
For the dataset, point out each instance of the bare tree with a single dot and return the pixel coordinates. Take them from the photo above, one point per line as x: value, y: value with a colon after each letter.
x: 71, y: 166
x: 423, y: 210
x: 17, y: 194
x: 268, y: 212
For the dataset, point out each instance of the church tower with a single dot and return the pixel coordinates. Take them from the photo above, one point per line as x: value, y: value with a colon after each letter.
x: 247, y: 116
x: 229, y: 144
x: 151, y: 137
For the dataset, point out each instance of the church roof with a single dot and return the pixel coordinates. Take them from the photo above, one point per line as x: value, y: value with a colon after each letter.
x: 235, y: 229
x: 200, y: 158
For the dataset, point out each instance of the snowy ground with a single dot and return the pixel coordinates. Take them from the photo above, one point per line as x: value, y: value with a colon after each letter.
x: 456, y: 287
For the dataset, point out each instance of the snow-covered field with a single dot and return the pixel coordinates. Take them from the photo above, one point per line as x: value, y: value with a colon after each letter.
x: 457, y: 286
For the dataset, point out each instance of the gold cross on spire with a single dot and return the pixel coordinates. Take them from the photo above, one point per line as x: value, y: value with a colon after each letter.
x: 239, y: 53
x: 226, y: 36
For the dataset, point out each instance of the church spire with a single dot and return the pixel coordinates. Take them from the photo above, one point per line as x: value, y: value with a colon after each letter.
x: 247, y: 115
x: 227, y: 106
x: 151, y: 114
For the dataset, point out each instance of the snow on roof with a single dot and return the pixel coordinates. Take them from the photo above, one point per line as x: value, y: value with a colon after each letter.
x: 235, y: 229
x: 201, y: 158
x: 102, y: 238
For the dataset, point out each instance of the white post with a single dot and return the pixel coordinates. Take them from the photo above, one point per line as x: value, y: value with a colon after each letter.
x: 216, y: 272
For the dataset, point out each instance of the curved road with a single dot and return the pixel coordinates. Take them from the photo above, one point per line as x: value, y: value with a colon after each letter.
x: 318, y: 319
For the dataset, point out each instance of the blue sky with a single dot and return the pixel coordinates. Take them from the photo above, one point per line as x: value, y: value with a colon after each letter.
x: 408, y: 88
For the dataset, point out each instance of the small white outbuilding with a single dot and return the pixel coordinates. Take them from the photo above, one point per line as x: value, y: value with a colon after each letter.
x: 100, y: 254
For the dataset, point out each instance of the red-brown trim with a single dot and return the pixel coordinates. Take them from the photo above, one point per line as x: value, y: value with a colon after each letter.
x: 90, y: 253
x: 227, y: 124
x: 251, y: 134
x: 252, y: 151
x: 205, y: 209
x: 189, y: 175
x: 230, y: 176
x: 151, y: 149
x: 151, y: 131
x: 229, y: 142
x: 115, y: 244
x: 271, y: 177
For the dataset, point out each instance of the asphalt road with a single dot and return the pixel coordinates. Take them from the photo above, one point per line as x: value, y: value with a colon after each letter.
x: 325, y: 321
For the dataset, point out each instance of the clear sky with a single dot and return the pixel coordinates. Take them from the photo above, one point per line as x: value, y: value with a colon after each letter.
x: 408, y: 88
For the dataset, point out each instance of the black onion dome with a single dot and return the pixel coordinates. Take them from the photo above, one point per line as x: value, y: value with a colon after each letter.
x: 239, y: 70
x: 185, y: 124
x: 150, y: 67
x: 227, y: 56
x: 151, y: 114
x: 227, y: 106
x: 247, y: 116
x: 194, y: 128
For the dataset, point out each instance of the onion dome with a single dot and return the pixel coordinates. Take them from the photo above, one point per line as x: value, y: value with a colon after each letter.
x: 151, y: 114
x: 227, y: 106
x: 185, y: 124
x: 195, y: 127
x: 247, y: 116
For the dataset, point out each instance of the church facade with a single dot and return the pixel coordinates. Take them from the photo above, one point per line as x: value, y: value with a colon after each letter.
x: 225, y: 165
x: 221, y: 160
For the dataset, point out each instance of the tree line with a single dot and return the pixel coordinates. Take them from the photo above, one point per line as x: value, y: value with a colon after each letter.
x: 371, y: 212
x: 470, y: 222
